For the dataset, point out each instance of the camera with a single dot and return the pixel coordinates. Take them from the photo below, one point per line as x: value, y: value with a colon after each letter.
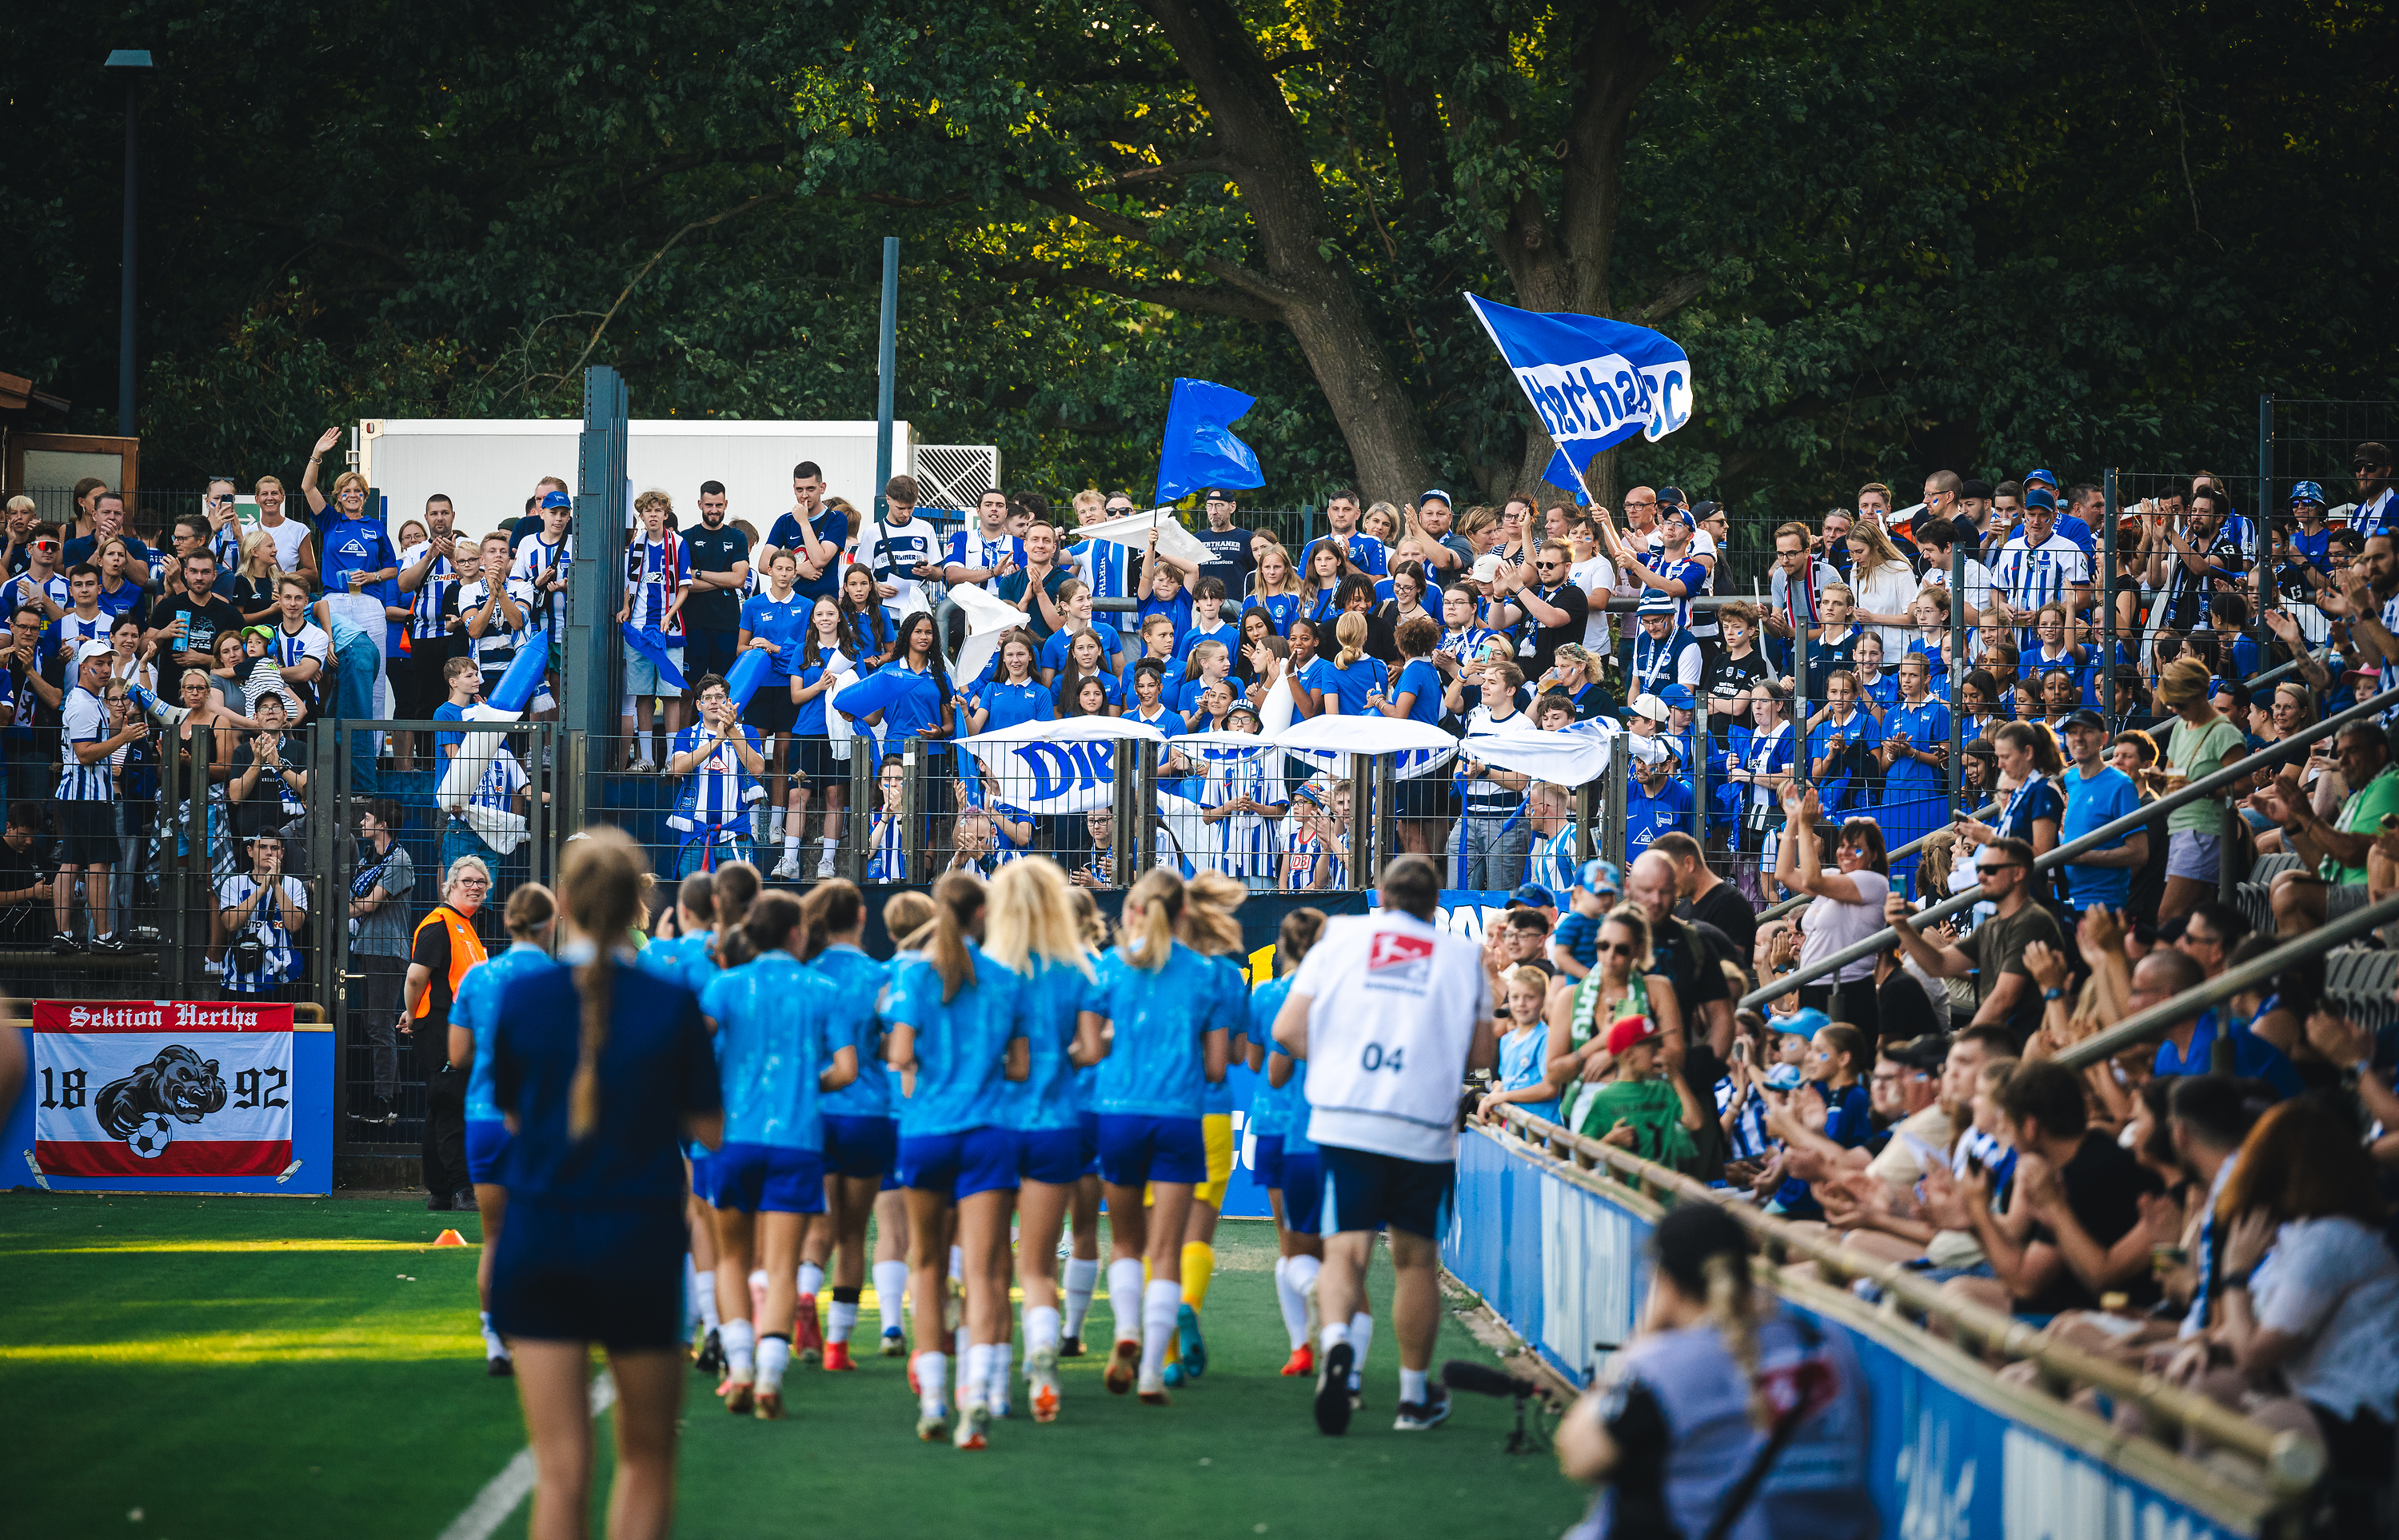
x: 248, y: 953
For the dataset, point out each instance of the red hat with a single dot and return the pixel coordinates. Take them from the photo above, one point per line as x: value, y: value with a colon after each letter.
x: 1628, y: 1030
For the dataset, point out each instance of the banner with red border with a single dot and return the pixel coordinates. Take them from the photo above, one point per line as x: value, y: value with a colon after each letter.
x: 161, y: 1087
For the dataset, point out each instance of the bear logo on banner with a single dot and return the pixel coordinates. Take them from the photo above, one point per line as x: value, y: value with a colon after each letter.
x: 178, y: 1085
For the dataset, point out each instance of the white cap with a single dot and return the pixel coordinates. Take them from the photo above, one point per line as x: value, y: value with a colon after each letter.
x: 1648, y: 751
x: 1486, y: 566
x: 1648, y: 705
x: 92, y: 648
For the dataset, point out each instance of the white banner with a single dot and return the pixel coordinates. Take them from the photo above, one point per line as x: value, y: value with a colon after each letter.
x: 149, y: 1089
x: 1132, y: 531
x: 1062, y: 766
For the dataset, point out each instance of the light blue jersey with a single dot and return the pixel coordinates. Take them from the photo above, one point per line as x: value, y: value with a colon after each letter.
x: 861, y: 980
x: 1154, y: 1067
x: 1271, y: 1110
x: 773, y: 1038
x: 1294, y: 1101
x: 476, y: 1009
x: 1232, y: 1009
x: 1047, y: 1004
x: 688, y: 960
x: 961, y: 1046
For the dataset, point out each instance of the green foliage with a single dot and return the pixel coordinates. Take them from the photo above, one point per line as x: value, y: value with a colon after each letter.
x: 1894, y: 237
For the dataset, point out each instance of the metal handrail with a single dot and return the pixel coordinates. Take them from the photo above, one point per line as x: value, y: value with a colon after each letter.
x: 1800, y: 900
x: 2272, y: 754
x: 2292, y: 1463
x: 2151, y: 1023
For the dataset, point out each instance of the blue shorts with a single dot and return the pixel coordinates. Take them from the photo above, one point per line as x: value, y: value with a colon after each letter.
x: 1302, y: 1192
x: 771, y: 1178
x: 612, y: 1275
x: 707, y: 652
x: 487, y: 1146
x: 1367, y: 1191
x: 1054, y: 1155
x: 1135, y: 1149
x: 860, y: 1146
x: 703, y: 1176
x: 960, y: 1165
x: 1088, y: 1124
x: 1266, y: 1160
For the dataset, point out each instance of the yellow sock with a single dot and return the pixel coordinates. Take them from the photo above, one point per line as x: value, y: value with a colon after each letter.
x: 1198, y: 1266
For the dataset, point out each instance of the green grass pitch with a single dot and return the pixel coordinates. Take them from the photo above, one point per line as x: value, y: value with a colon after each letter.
x: 236, y: 1366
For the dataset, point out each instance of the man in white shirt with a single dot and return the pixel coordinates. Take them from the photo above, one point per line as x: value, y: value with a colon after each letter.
x: 901, y: 550
x: 983, y: 555
x: 2036, y: 568
x: 1389, y: 1012
x: 2377, y: 508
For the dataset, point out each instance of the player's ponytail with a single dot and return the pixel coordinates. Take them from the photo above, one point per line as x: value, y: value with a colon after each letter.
x: 1704, y: 1251
x: 531, y: 907
x: 1208, y: 926
x: 1300, y: 928
x: 1088, y: 924
x: 1149, y: 942
x: 833, y: 907
x: 1032, y: 919
x: 1350, y: 631
x: 602, y: 876
x: 957, y: 904
x: 736, y: 884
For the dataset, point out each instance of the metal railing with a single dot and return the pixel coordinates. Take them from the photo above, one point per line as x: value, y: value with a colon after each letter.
x: 2288, y: 1463
x: 2273, y: 754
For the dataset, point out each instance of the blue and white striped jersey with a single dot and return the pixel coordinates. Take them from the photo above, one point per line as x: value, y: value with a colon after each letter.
x: 1305, y: 851
x: 503, y: 778
x: 496, y: 648
x: 974, y: 549
x: 72, y: 630
x: 1552, y: 862
x: 534, y: 559
x: 886, y: 861
x: 1241, y: 844
x: 425, y: 604
x: 715, y: 792
x: 655, y: 572
x: 281, y: 963
x: 2030, y: 578
x: 22, y: 589
x: 83, y: 719
x: 310, y: 641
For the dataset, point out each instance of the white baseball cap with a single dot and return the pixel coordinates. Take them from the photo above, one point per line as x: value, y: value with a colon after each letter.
x: 1486, y: 566
x: 1648, y: 705
x: 92, y: 648
x: 1648, y: 751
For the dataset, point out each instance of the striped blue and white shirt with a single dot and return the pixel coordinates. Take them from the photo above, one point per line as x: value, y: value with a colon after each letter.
x: 72, y: 630
x: 1244, y: 845
x: 714, y: 792
x: 22, y: 589
x: 655, y: 572
x: 534, y: 559
x: 503, y: 778
x: 1109, y: 570
x: 83, y: 718
x: 310, y: 641
x: 2030, y: 578
x: 1552, y: 862
x: 975, y: 549
x: 886, y: 861
x: 425, y: 621
x: 281, y: 963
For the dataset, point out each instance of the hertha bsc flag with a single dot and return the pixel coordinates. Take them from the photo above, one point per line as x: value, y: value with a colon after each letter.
x: 1596, y: 382
x: 161, y: 1087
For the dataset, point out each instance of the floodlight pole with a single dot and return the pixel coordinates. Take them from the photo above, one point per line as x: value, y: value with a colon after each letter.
x: 887, y: 367
x: 133, y: 62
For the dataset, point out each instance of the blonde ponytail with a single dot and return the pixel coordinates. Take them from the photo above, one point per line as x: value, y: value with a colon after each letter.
x: 957, y: 900
x: 601, y: 877
x: 1731, y: 1297
x: 1350, y: 631
x: 1208, y: 926
x: 1159, y: 896
x: 1031, y: 918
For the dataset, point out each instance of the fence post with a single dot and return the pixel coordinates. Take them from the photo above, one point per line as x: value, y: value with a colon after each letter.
x: 593, y: 646
x: 1618, y: 800
x: 327, y: 800
x: 860, y: 815
x: 2108, y: 573
x: 2264, y: 511
x: 914, y: 859
x: 1587, y: 816
x: 1386, y: 824
x: 1959, y: 564
x: 171, y: 896
x: 1362, y: 820
x: 1124, y: 808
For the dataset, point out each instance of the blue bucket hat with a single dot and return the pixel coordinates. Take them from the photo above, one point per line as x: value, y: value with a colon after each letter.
x: 1804, y: 1024
x: 2307, y: 491
x: 1658, y: 601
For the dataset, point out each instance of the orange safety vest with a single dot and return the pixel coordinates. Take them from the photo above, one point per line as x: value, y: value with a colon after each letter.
x: 465, y: 951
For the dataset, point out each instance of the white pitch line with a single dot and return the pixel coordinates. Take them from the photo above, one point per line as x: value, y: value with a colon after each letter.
x: 483, y: 1516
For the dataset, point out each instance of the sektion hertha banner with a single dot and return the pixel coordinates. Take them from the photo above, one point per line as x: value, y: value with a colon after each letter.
x: 160, y: 1088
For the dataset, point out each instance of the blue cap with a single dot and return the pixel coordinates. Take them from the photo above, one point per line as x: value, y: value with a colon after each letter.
x: 1658, y: 601
x: 1680, y: 698
x: 1533, y: 896
x: 554, y: 498
x: 1598, y: 876
x: 2039, y: 498
x: 1433, y: 494
x: 1782, y: 1077
x: 1804, y: 1024
x: 2032, y: 476
x: 2307, y: 491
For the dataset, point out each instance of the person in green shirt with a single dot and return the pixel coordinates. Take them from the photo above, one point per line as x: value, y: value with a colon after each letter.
x: 1645, y: 1110
x: 2199, y: 744
x: 2303, y: 901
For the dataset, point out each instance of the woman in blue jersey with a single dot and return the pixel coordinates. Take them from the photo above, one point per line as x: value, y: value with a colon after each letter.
x: 863, y: 613
x: 957, y: 1041
x: 1426, y: 801
x: 600, y: 1069
x: 776, y: 1052
x: 1012, y: 696
x: 1209, y: 928
x: 1158, y: 997
x: 1276, y: 588
x: 1276, y: 1113
x: 1083, y: 1207
x: 908, y: 697
x: 1357, y: 678
x: 692, y: 923
x: 1032, y: 932
x: 861, y: 1139
x: 530, y: 913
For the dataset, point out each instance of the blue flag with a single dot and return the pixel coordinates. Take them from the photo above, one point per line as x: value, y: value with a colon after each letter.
x: 1201, y: 449
x: 1596, y: 382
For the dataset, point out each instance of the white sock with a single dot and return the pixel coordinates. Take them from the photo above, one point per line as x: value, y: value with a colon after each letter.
x: 775, y: 828
x: 1412, y: 1386
x: 704, y: 1285
x: 974, y: 1378
x: 1082, y: 1277
x: 891, y: 1284
x: 1362, y: 1337
x: 1001, y: 1373
x: 1303, y: 1279
x: 932, y: 1381
x: 1124, y: 1290
x: 774, y: 1357
x: 1158, y: 1304
x: 1294, y: 1303
x: 840, y: 1322
x: 811, y: 1278
x: 758, y: 1279
x: 1330, y: 1336
x: 740, y: 1340
x: 1040, y: 1329
x: 791, y: 845
x: 958, y: 1264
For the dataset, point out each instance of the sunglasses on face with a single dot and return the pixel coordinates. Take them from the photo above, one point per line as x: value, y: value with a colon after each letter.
x: 1997, y: 867
x: 1617, y: 949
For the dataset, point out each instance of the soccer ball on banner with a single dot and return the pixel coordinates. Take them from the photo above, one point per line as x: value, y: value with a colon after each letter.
x: 150, y: 1137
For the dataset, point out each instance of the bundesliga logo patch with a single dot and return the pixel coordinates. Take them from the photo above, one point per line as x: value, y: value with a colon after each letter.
x: 1399, y: 962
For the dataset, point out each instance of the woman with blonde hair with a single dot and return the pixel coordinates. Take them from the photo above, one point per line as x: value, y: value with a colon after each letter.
x: 530, y: 915
x: 1883, y: 585
x: 255, y: 585
x: 1153, y: 1006
x: 1209, y: 928
x: 861, y: 1137
x: 1032, y: 931
x: 599, y: 1067
x: 956, y: 1040
x: 361, y: 567
x: 1276, y: 587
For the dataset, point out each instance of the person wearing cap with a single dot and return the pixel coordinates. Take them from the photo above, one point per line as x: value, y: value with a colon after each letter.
x: 1574, y: 940
x: 1663, y: 652
x: 1447, y: 557
x: 2312, y: 539
x: 1229, y: 561
x: 1670, y: 570
x: 2036, y: 568
x: 1342, y: 511
x: 1539, y: 898
x: 1679, y: 729
x: 87, y: 796
x: 2377, y: 510
x: 1556, y: 611
x: 1657, y: 799
x: 2098, y: 794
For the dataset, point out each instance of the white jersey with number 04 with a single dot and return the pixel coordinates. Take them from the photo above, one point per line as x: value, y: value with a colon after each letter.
x: 1393, y: 1004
